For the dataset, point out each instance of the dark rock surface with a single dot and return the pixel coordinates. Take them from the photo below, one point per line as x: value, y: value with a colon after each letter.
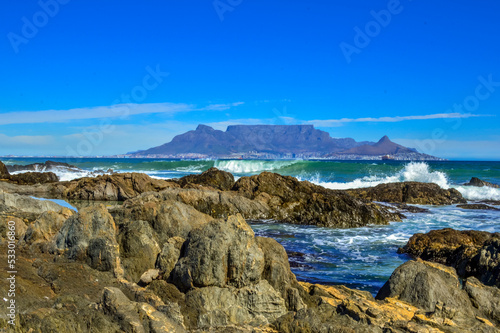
x: 293, y: 201
x: 41, y: 167
x: 116, y: 187
x: 213, y: 177
x: 477, y: 206
x: 410, y: 193
x: 33, y: 178
x: 480, y: 183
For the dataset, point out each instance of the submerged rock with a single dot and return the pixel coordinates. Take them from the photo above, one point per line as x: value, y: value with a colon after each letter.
x: 477, y: 206
x: 410, y: 193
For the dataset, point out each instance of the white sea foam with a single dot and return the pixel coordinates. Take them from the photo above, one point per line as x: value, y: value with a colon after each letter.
x: 417, y: 172
x: 251, y: 166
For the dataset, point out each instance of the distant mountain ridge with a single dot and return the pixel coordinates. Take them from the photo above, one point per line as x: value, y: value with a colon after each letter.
x: 274, y: 141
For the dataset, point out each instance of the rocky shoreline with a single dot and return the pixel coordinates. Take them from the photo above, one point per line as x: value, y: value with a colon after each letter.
x: 178, y: 256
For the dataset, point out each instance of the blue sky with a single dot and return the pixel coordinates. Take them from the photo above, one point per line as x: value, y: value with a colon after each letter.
x: 108, y: 77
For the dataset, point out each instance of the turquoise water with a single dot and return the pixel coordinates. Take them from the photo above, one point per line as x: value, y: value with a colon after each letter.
x: 361, y: 258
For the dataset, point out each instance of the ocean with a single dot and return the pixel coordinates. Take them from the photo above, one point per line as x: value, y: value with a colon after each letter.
x: 362, y: 258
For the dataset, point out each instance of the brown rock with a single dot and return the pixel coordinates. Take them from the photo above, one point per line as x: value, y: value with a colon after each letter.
x: 213, y: 177
x: 115, y: 187
x: 480, y: 183
x: 4, y: 173
x: 33, y: 178
x: 410, y: 193
x: 477, y: 206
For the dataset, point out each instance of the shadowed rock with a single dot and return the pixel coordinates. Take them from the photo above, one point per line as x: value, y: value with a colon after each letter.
x: 480, y: 183
x: 4, y: 173
x: 33, y: 178
x: 477, y: 206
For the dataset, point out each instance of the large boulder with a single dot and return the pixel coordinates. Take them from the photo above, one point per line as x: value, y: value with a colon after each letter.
x: 484, y: 298
x: 480, y: 183
x: 115, y: 187
x: 33, y: 178
x: 221, y: 253
x: 46, y: 226
x: 470, y: 252
x: 213, y: 177
x: 301, y: 202
x: 410, y: 193
x: 213, y: 307
x: 90, y: 236
x: 435, y: 288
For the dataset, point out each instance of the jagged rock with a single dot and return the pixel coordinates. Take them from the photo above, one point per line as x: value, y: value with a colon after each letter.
x: 435, y: 288
x: 138, y: 248
x: 470, y: 252
x: 90, y: 236
x: 169, y: 255
x: 115, y: 187
x: 4, y: 173
x: 33, y: 178
x: 221, y: 253
x: 167, y: 216
x: 46, y: 226
x: 410, y: 193
x: 484, y: 298
x: 137, y: 317
x: 212, y: 307
x: 277, y: 272
x: 474, y: 181
x: 213, y: 177
x: 41, y: 167
x: 477, y: 206
x: 293, y: 201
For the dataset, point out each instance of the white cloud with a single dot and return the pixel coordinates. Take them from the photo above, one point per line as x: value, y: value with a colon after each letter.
x: 340, y: 122
x: 112, y: 111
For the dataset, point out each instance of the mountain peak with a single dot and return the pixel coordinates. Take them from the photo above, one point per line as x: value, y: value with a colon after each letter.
x: 384, y: 139
x: 205, y: 128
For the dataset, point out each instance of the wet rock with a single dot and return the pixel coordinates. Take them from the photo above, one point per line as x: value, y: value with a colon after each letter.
x: 477, y: 206
x: 293, y: 201
x: 409, y: 208
x: 90, y: 236
x: 213, y: 177
x: 221, y: 253
x: 480, y: 183
x: 115, y: 187
x: 139, y: 248
x: 41, y: 167
x: 410, y: 193
x: 491, y: 202
x: 33, y: 178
